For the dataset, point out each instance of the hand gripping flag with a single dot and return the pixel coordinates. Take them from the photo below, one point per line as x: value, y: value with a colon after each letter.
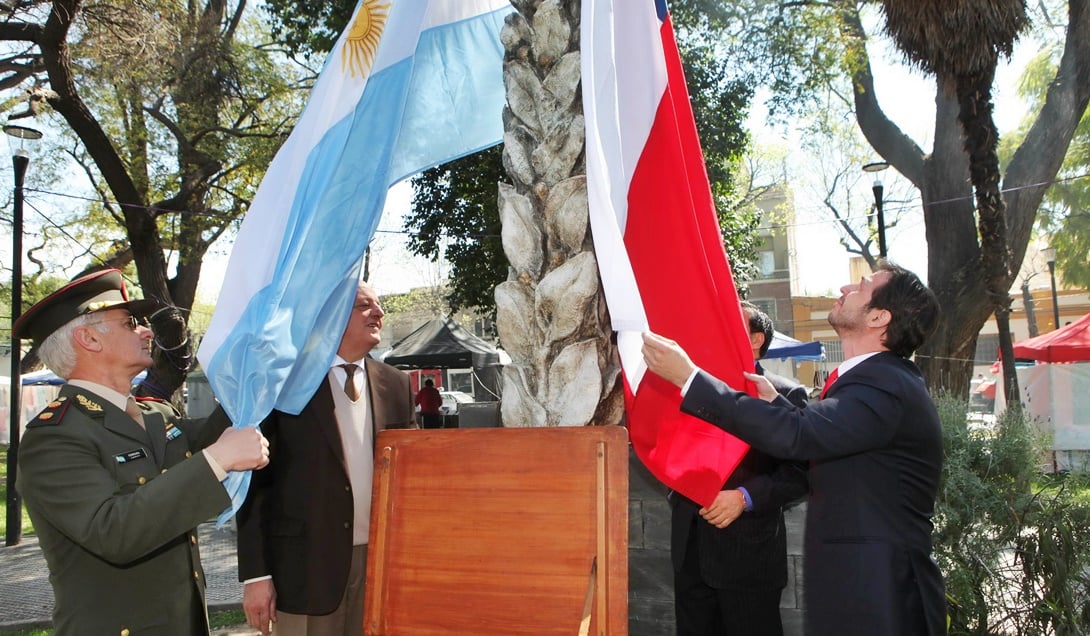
x: 410, y: 84
x: 657, y: 239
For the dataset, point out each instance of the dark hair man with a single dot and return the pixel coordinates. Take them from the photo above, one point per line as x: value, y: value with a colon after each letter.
x: 730, y: 559
x: 875, y: 449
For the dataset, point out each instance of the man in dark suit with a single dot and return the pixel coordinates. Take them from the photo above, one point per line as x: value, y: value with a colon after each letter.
x: 730, y: 559
x: 875, y: 449
x: 115, y: 489
x: 303, y: 529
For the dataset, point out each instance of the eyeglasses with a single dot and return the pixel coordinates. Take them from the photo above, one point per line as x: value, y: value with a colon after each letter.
x: 133, y: 323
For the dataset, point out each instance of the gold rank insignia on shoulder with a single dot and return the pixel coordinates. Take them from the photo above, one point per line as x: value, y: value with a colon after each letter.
x: 54, y: 405
x: 45, y: 416
x: 94, y: 407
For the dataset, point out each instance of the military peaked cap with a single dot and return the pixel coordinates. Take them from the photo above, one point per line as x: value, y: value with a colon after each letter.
x: 97, y: 291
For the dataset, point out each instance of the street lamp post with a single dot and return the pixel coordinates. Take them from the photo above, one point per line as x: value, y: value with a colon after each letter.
x: 21, y: 140
x: 1049, y: 254
x: 877, y: 167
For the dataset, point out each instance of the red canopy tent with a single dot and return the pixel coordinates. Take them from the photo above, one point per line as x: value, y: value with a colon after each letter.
x: 1068, y: 344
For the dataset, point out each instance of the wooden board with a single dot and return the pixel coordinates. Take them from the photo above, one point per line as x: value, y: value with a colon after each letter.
x: 499, y: 531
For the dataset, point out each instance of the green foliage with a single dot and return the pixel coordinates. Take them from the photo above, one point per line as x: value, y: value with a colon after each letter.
x: 34, y: 289
x: 1063, y: 215
x: 181, y: 106
x: 455, y: 212
x: 1010, y: 541
x: 308, y: 28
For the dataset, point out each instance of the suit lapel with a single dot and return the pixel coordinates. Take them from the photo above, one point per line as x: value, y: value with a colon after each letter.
x: 376, y: 387
x: 156, y: 428
x: 324, y: 413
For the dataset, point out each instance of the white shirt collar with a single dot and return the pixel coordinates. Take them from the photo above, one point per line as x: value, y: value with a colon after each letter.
x: 852, y: 362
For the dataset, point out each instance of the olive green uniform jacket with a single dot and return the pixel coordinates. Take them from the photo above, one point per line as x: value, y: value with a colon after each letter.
x: 115, y: 509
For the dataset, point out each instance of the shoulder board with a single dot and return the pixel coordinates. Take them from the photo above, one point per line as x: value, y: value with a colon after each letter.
x: 51, y: 414
x: 90, y: 406
x: 149, y: 403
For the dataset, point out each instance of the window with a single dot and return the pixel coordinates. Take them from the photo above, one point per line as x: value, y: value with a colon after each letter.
x: 834, y: 354
x: 460, y: 380
x: 767, y: 305
x: 987, y: 349
x: 767, y: 264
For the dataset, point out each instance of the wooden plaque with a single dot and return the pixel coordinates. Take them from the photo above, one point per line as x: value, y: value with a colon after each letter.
x: 499, y: 531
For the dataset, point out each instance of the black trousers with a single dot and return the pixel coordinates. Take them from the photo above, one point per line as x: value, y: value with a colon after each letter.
x: 702, y: 610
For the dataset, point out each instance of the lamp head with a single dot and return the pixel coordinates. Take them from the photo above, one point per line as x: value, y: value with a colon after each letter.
x: 876, y: 167
x: 1049, y: 254
x: 21, y: 139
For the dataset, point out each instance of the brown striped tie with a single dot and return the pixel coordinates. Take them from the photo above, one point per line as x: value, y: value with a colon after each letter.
x: 350, y: 381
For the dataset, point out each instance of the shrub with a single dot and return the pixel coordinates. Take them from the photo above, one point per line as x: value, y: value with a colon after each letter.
x: 1009, y: 539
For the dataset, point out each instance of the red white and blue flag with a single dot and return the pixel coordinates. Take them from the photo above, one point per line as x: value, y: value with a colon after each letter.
x: 659, y: 248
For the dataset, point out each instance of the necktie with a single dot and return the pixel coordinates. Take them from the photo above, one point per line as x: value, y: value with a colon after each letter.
x: 829, y: 382
x: 350, y: 381
x: 134, y: 411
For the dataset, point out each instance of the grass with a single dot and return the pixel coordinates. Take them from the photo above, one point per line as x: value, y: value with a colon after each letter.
x: 27, y: 528
x: 227, y: 618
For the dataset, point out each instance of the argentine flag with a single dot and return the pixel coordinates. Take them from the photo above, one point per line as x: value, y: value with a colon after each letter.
x: 409, y: 85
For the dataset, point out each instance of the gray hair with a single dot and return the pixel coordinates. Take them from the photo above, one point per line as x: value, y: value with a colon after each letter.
x: 57, y: 351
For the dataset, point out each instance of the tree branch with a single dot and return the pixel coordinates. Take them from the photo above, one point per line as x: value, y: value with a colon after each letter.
x: 883, y: 135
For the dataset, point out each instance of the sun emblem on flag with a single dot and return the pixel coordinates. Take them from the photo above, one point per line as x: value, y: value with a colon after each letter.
x: 363, y: 37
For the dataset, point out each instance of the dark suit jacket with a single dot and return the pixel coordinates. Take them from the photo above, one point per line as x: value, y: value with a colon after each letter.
x: 750, y: 553
x: 115, y: 509
x: 875, y: 450
x: 296, y: 522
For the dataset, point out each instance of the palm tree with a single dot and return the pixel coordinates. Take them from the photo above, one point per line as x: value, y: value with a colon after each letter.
x: 551, y: 314
x: 960, y: 41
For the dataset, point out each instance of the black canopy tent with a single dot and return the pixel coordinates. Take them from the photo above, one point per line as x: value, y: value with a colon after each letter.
x: 442, y: 344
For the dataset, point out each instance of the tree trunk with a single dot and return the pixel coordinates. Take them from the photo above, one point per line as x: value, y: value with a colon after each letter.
x: 1031, y: 310
x: 956, y: 268
x: 551, y: 314
x: 198, y: 97
x: 975, y: 113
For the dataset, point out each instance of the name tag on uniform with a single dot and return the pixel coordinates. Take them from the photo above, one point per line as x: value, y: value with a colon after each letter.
x: 130, y: 456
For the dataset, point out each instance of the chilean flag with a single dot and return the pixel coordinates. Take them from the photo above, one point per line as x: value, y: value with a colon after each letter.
x: 657, y: 239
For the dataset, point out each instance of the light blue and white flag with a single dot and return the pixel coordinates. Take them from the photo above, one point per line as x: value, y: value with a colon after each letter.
x: 410, y: 84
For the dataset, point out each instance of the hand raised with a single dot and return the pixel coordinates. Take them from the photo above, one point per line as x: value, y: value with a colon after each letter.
x: 765, y: 390
x: 667, y: 359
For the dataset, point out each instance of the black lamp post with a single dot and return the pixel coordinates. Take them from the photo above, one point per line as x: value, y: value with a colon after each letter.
x: 21, y: 140
x: 877, y: 167
x: 1049, y: 254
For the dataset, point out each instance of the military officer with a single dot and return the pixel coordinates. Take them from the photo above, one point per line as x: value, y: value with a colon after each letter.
x: 116, y: 488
